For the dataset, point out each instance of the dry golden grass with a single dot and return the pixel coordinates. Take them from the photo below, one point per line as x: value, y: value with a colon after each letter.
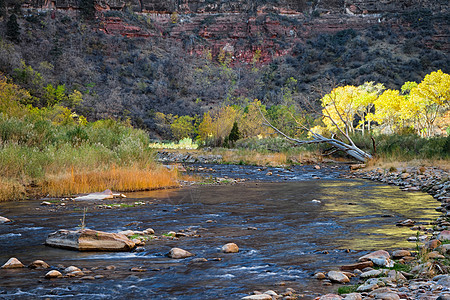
x: 254, y: 158
x: 386, y: 163
x: 11, y: 190
x: 115, y: 178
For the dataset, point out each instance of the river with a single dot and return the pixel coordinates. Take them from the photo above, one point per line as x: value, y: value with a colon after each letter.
x: 287, y: 226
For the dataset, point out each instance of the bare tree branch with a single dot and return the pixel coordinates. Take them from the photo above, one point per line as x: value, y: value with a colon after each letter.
x: 351, y: 150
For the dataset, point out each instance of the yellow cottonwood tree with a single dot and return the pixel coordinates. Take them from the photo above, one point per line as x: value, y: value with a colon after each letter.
x: 428, y: 101
x: 339, y: 109
x: 388, y: 110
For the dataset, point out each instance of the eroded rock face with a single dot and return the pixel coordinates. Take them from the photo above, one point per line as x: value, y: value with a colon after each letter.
x: 89, y: 240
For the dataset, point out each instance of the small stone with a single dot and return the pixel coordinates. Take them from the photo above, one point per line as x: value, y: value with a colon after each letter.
x: 435, y: 255
x: 149, y: 231
x: 330, y: 297
x: 317, y: 167
x: 401, y: 253
x: 271, y: 293
x: 230, y: 248
x: 12, y: 263
x: 360, y: 266
x: 138, y: 269
x: 71, y: 269
x: 45, y: 203
x: 353, y: 296
x: 178, y: 253
x: 257, y: 297
x: 371, y: 273
x: 38, y: 264
x: 252, y: 228
x: 319, y: 275
x: 407, y: 222
x: 369, y: 285
x: 87, y: 278
x: 269, y: 174
x: 75, y: 273
x: 98, y: 276
x: 110, y: 268
x: 209, y: 221
x: 53, y: 274
x: 199, y: 260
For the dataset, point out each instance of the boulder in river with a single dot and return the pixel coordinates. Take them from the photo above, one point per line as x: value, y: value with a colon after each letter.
x: 4, y: 220
x: 12, y: 263
x: 230, y: 248
x: 106, y: 194
x: 178, y: 253
x: 89, y: 240
x: 38, y: 264
x: 53, y: 274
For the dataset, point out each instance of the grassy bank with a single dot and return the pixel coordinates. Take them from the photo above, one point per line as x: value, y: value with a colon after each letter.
x: 52, y: 151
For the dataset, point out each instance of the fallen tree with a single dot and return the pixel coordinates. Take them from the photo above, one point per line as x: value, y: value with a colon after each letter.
x: 349, y: 148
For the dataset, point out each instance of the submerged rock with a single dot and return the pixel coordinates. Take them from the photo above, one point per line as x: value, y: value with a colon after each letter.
x: 12, y: 263
x: 178, y: 253
x: 89, y: 240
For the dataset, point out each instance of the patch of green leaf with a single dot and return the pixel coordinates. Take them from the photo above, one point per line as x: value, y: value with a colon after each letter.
x: 347, y: 289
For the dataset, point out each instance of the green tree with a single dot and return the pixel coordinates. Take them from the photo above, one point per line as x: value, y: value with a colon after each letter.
x: 234, y: 134
x: 183, y: 127
x: 13, y: 29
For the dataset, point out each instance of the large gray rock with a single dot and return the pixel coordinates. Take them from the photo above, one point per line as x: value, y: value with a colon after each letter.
x: 106, y: 194
x: 89, y: 240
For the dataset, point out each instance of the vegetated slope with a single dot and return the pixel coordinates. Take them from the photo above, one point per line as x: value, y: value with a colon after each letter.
x: 133, y: 65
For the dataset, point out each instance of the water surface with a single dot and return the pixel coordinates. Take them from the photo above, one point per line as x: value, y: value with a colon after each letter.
x: 296, y: 223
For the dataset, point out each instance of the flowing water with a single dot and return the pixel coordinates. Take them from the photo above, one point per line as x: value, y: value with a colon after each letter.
x: 286, y: 230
